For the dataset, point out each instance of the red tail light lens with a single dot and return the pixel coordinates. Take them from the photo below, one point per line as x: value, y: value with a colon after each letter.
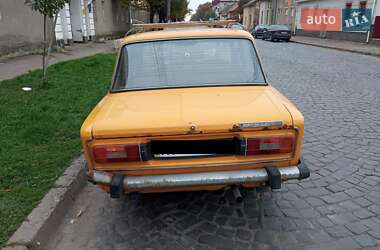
x: 269, y: 145
x: 116, y: 153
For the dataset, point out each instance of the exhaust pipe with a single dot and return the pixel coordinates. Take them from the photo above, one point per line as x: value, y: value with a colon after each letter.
x: 236, y: 193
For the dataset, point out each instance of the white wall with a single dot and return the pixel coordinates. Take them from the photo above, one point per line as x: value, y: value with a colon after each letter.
x: 249, y: 17
x: 265, y: 12
x: 78, y: 27
x: 63, y: 27
x: 377, y: 9
x: 331, y: 3
x: 111, y: 18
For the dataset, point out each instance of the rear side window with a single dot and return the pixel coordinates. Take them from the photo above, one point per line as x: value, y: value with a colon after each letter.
x: 190, y: 62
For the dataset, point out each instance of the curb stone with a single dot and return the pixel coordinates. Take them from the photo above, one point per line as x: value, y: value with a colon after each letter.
x: 336, y: 48
x: 19, y: 247
x: 36, y: 229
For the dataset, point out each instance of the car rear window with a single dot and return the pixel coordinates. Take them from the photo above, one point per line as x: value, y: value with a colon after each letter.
x: 261, y: 27
x: 278, y: 27
x: 185, y: 63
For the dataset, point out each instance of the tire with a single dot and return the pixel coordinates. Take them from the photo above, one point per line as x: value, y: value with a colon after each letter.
x: 287, y: 40
x: 271, y: 38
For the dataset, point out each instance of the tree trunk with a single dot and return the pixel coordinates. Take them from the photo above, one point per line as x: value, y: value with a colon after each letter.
x: 52, y: 35
x: 168, y: 8
x: 161, y: 16
x: 151, y: 16
x: 44, y: 53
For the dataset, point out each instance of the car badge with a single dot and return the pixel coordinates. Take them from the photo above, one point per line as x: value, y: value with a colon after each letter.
x: 260, y: 124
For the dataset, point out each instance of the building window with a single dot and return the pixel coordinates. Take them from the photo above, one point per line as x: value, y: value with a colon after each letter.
x: 286, y: 11
x: 363, y: 4
x: 349, y: 5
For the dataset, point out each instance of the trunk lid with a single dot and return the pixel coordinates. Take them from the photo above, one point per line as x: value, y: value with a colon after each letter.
x: 175, y: 111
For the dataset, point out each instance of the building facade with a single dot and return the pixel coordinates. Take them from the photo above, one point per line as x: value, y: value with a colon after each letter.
x: 251, y: 13
x: 265, y: 16
x: 16, y: 34
x: 221, y: 7
x: 376, y: 22
x: 232, y: 13
x: 284, y: 13
x: 357, y: 36
x: 21, y: 29
x: 288, y: 12
x: 269, y: 12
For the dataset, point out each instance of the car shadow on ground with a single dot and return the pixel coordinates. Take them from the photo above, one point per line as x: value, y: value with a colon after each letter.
x: 212, y: 219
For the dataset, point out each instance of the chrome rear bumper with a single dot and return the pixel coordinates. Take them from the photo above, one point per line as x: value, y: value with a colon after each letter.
x: 273, y: 176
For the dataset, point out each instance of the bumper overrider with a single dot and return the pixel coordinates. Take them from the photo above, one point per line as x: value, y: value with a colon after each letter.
x: 272, y: 176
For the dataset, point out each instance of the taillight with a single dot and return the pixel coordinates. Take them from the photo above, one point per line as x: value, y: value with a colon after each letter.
x: 116, y: 153
x: 269, y: 145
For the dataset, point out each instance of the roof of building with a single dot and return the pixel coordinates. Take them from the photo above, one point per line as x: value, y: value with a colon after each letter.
x: 216, y: 2
x: 250, y: 3
x: 185, y: 33
x: 233, y: 8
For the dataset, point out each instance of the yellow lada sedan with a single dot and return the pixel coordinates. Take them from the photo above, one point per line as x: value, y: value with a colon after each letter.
x: 191, y: 109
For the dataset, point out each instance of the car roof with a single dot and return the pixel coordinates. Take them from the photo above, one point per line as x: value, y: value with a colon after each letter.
x: 185, y: 34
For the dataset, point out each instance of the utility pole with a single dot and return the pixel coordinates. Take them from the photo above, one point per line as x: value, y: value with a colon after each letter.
x: 295, y: 16
x: 274, y: 12
x: 372, y: 18
x: 168, y: 3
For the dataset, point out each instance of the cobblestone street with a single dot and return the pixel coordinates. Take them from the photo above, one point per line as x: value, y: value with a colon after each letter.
x: 338, y: 207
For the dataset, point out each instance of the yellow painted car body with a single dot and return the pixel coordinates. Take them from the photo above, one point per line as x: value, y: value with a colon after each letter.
x: 204, y: 113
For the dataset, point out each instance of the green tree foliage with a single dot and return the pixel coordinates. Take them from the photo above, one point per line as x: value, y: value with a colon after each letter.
x: 179, y: 9
x: 139, y: 4
x: 204, y: 12
x: 153, y: 6
x: 49, y: 9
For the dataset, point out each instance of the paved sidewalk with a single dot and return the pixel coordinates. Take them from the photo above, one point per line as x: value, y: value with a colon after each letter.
x: 354, y: 47
x: 10, y: 68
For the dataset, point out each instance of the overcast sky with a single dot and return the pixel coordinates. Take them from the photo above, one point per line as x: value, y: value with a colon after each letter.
x: 194, y: 5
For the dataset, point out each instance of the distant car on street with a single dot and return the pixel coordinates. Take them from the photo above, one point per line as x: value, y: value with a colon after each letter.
x: 277, y: 32
x: 258, y: 31
x: 236, y: 26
